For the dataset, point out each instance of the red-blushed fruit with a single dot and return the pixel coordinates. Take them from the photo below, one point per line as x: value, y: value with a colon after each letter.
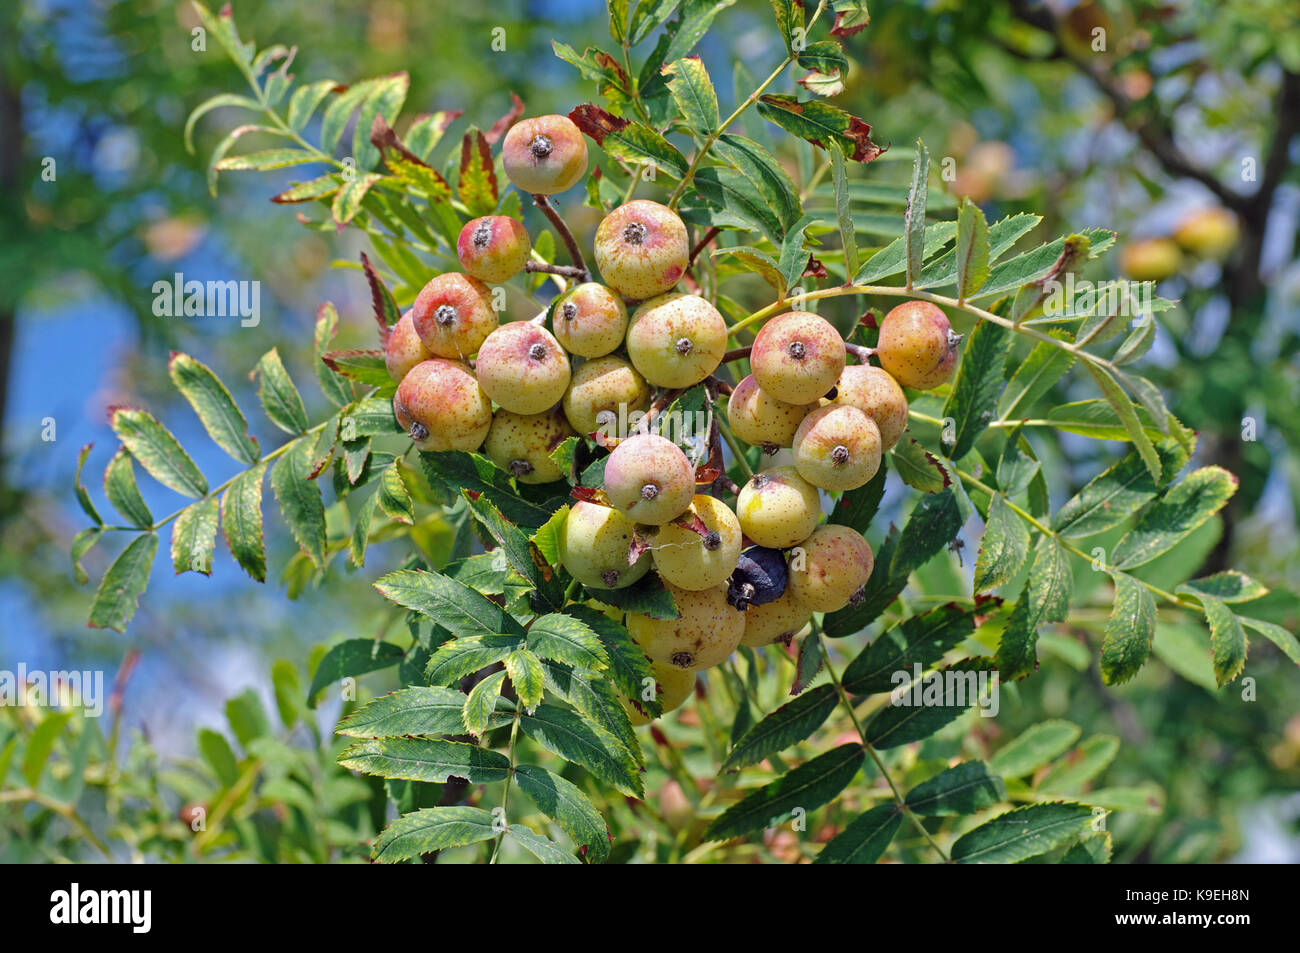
x: 671, y: 686
x: 917, y: 345
x: 837, y: 447
x: 589, y: 320
x: 778, y: 508
x: 829, y: 573
x: 594, y: 543
x: 874, y: 391
x: 706, y: 631
x: 543, y: 155
x: 1152, y: 259
x: 676, y: 340
x: 797, y: 357
x: 642, y: 249
x: 523, y: 368
x: 404, y: 349
x: 690, y: 560
x: 440, y: 405
x: 522, y: 444
x: 494, y: 248
x: 758, y: 418
x: 649, y: 479
x: 453, y: 315
x: 605, y: 394
x: 1208, y: 233
x: 777, y: 621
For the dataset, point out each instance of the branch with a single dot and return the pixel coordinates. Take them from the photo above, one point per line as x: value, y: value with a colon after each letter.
x: 575, y: 253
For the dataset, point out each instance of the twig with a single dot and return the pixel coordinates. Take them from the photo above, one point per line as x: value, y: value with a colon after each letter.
x: 737, y: 354
x: 568, y: 271
x: 571, y: 243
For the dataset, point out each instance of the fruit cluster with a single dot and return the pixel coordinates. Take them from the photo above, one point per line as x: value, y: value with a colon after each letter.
x: 751, y: 575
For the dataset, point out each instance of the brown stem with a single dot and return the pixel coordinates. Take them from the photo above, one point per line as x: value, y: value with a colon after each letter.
x: 709, y: 236
x: 568, y: 271
x: 720, y: 386
x: 737, y: 354
x: 860, y: 352
x: 571, y: 243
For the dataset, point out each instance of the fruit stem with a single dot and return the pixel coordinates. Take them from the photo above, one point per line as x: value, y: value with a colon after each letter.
x: 737, y: 354
x: 899, y: 802
x: 736, y: 450
x: 860, y: 352
x: 568, y: 271
x: 571, y: 243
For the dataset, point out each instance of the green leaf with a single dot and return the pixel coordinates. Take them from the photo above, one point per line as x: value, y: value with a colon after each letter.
x: 527, y: 676
x: 765, y: 176
x: 425, y: 759
x: 914, y: 218
x: 83, y: 543
x: 1129, y: 631
x: 1044, y: 598
x: 1090, y: 850
x: 902, y: 723
x: 759, y: 262
x: 466, y: 655
x: 350, y: 658
x: 453, y: 605
x: 1279, y: 636
x: 1071, y: 773
x: 820, y: 123
x: 628, y: 666
x: 305, y: 100
x: 366, y: 366
x: 1012, y: 274
x: 1114, y: 495
x: 857, y: 508
x: 1044, y: 366
x: 481, y: 703
x: 418, y: 710
x: 432, y: 829
x: 1001, y: 236
x: 791, y: 723
x: 368, y: 417
x: 1182, y: 509
x: 843, y: 212
x: 210, y: 399
x: 1227, y: 640
x: 83, y: 497
x: 300, y: 500
x: 348, y: 199
x: 972, y: 249
x: 807, y: 787
x: 525, y: 560
x: 967, y: 788
x: 1003, y: 548
x: 123, y: 492
x: 41, y: 744
x: 979, y: 383
x: 864, y: 839
x: 794, y: 254
x: 892, y: 259
x: 480, y: 475
x: 646, y: 596
x: 194, y: 536
x: 1144, y: 799
x: 120, y: 590
x: 1017, y: 467
x: 158, y: 451
x: 1227, y: 586
x: 566, y: 639
x: 547, y: 537
x: 573, y: 738
x: 241, y: 521
x: 920, y: 640
x: 918, y: 467
x: 648, y: 17
x: 692, y: 23
x: 543, y: 848
x: 216, y: 751
x: 629, y: 141
x: 789, y: 19
x: 385, y: 99
x: 823, y: 56
x: 693, y: 92
x: 477, y: 184
x: 564, y: 803
x: 215, y: 102
x: 280, y: 398
x: 593, y: 696
x: 1022, y: 833
x: 266, y: 159
x: 1127, y: 415
x: 1034, y: 747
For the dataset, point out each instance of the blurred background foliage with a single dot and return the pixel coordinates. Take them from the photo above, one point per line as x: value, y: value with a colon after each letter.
x: 1182, y: 111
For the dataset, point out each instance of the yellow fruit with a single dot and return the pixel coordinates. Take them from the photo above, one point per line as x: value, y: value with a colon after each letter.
x: 705, y: 632
x: 685, y: 558
x: 778, y: 508
x: 671, y: 685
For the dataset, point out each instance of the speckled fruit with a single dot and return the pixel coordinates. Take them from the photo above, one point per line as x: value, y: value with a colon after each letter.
x: 642, y: 249
x: 690, y: 560
x: 404, y: 349
x: 604, y: 393
x: 705, y: 632
x: 1208, y: 233
x: 676, y: 340
x: 829, y: 574
x: 594, y: 544
x: 453, y: 315
x: 589, y: 320
x: 917, y: 345
x: 522, y: 444
x: 778, y: 508
x: 1153, y: 259
x: 777, y: 621
x: 797, y: 357
x: 758, y: 418
x: 493, y: 248
x: 837, y: 447
x: 671, y: 686
x: 440, y: 404
x: 523, y: 368
x: 649, y: 479
x: 874, y: 391
x: 543, y: 155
